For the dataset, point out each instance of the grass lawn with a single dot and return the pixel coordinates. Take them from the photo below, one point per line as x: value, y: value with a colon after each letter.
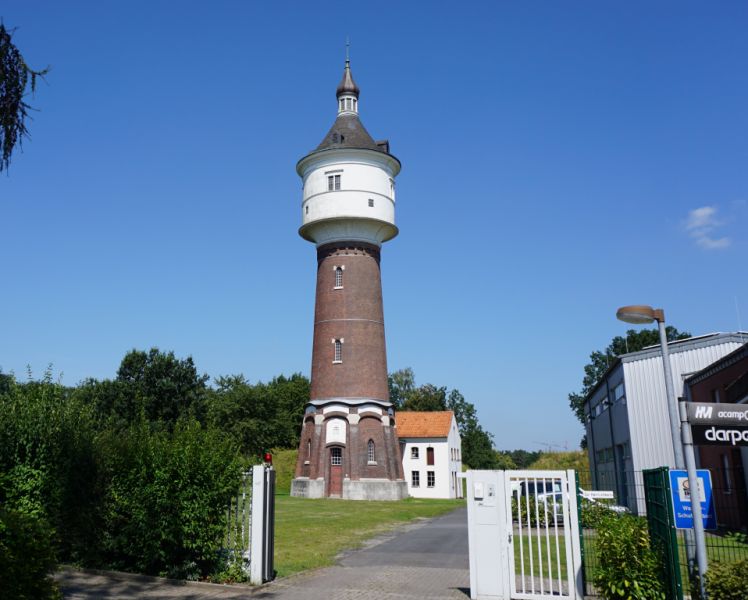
x: 311, y: 533
x: 544, y: 546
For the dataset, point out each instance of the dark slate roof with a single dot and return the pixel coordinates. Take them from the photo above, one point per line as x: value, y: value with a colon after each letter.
x: 348, y: 132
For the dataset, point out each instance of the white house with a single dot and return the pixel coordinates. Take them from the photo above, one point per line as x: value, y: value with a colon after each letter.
x: 432, y: 453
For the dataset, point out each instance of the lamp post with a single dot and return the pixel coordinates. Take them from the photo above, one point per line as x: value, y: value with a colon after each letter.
x: 638, y: 315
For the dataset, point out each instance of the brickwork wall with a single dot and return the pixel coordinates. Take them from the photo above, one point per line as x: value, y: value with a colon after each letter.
x: 354, y: 315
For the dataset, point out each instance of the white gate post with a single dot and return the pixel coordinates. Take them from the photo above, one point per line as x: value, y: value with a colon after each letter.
x: 576, y: 549
x: 257, y: 527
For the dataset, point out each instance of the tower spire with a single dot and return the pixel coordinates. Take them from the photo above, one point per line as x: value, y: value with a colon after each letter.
x: 347, y: 92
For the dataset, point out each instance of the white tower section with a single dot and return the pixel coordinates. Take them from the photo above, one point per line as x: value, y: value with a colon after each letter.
x: 348, y: 181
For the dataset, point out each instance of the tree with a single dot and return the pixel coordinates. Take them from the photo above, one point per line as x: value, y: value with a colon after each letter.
x: 401, y: 383
x: 600, y: 361
x: 260, y: 416
x: 165, y: 386
x: 477, y: 444
x: 15, y: 77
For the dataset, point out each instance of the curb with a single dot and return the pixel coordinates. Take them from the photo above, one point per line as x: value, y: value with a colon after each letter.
x: 124, y: 576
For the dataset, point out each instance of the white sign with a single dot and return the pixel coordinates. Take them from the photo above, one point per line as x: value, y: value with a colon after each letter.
x: 335, y: 431
x: 597, y: 494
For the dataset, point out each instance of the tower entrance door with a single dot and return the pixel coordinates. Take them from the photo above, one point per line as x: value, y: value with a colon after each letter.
x: 335, y: 481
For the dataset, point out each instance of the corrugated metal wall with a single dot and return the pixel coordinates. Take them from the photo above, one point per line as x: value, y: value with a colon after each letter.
x: 649, y: 424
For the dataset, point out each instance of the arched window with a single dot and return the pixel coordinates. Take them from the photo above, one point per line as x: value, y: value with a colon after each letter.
x: 371, y: 454
x: 338, y: 351
x: 338, y: 277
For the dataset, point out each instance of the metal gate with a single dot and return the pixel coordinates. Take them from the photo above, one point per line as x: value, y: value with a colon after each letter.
x: 524, y: 535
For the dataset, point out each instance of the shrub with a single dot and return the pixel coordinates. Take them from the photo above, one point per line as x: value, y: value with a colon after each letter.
x: 629, y: 568
x: 26, y: 558
x: 593, y: 513
x: 727, y: 581
x: 535, y: 518
x: 47, y: 465
x: 166, y: 498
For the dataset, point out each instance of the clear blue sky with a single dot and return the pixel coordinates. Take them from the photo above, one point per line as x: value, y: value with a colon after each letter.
x: 559, y: 160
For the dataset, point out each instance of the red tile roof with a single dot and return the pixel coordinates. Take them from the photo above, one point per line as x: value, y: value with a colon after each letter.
x: 423, y: 424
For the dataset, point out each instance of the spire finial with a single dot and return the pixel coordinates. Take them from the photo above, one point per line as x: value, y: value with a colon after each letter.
x: 347, y: 50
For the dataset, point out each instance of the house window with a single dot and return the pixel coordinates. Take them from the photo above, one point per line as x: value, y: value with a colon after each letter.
x: 429, y: 456
x: 371, y: 202
x: 370, y: 454
x: 338, y: 277
x: 415, y: 479
x: 333, y: 182
x: 414, y: 452
x: 336, y: 456
x: 338, y: 351
x: 430, y: 478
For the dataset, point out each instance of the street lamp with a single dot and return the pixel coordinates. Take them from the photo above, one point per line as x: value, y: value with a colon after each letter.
x: 642, y: 314
x: 639, y: 315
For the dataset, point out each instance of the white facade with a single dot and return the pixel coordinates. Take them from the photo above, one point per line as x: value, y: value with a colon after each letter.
x: 349, y: 194
x: 649, y: 422
x: 447, y: 454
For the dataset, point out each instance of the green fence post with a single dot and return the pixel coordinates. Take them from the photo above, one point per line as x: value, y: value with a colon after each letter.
x: 661, y: 525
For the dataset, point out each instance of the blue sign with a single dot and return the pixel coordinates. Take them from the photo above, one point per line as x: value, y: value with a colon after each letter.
x: 681, y: 492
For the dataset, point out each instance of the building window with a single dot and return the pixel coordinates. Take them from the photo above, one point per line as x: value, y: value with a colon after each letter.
x: 333, y: 182
x: 371, y: 456
x: 371, y: 202
x: 338, y: 358
x: 429, y: 456
x: 618, y: 393
x: 309, y: 449
x: 430, y: 478
x: 306, y: 209
x: 338, y: 277
x: 415, y: 479
x: 336, y: 456
x: 414, y: 452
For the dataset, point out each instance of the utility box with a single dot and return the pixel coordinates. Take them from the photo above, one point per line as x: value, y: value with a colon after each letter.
x: 486, y: 525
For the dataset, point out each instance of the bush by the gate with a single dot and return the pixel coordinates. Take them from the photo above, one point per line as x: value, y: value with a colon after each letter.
x: 629, y: 568
x: 166, y: 498
x: 26, y: 557
x: 727, y: 580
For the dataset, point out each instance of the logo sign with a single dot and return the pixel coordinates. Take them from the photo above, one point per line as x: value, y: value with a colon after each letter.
x: 681, y: 492
x: 718, y: 424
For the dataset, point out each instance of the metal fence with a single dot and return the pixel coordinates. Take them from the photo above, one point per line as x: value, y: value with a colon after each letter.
x: 239, y: 525
x: 728, y: 543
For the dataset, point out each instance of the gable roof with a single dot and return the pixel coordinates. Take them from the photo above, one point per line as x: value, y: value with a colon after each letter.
x: 411, y: 424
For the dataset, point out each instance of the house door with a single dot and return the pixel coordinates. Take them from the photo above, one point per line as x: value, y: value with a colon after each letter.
x: 335, y: 484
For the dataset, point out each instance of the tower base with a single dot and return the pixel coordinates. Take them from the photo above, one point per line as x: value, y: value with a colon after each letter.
x: 362, y: 489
